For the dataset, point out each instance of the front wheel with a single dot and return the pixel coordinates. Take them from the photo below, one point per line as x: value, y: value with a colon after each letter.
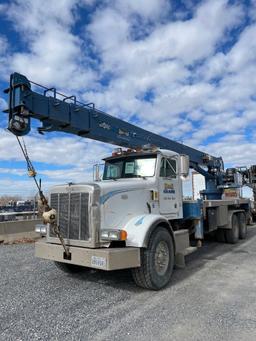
x: 157, y: 261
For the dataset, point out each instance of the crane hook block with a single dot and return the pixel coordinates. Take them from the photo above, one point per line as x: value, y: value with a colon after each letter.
x: 49, y: 217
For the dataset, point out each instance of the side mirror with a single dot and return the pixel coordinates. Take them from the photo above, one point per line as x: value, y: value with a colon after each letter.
x: 97, y: 171
x: 184, y: 165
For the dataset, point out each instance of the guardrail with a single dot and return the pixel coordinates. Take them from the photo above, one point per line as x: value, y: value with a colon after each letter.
x: 18, y: 226
x: 12, y: 216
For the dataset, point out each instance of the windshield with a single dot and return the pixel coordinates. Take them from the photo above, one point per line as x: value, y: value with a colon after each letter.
x: 130, y: 167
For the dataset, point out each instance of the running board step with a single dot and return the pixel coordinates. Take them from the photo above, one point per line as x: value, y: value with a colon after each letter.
x: 183, y: 247
x: 180, y: 256
x: 190, y: 250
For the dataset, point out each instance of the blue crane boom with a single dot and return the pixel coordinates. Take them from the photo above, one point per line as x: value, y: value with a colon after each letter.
x: 61, y: 113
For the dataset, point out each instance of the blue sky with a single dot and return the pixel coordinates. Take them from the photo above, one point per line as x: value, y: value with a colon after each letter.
x: 183, y: 69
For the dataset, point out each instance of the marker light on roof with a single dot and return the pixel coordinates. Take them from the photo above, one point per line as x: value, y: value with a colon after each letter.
x: 117, y: 151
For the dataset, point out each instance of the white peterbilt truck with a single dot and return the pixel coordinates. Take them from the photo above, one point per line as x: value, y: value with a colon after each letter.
x: 135, y: 217
x: 109, y: 224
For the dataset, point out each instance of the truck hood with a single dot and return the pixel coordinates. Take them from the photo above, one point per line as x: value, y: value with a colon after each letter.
x: 113, y: 203
x: 106, y: 188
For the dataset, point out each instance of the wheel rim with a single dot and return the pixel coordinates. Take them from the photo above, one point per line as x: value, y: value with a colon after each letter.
x: 162, y: 258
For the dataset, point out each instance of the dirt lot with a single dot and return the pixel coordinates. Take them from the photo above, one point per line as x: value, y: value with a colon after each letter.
x: 214, y: 298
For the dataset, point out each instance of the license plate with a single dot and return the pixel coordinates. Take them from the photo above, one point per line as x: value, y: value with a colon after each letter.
x: 99, y: 262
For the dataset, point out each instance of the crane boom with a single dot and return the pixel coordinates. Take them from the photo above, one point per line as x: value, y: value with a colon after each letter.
x: 71, y: 116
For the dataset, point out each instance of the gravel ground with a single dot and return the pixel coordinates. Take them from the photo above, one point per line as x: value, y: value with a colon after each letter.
x: 213, y: 298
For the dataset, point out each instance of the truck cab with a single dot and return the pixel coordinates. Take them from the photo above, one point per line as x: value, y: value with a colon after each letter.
x: 146, y: 181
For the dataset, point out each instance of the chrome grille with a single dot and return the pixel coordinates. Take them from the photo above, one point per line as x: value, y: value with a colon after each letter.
x: 72, y: 210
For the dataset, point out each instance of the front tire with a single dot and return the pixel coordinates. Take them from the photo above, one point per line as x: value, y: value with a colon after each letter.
x: 157, y: 261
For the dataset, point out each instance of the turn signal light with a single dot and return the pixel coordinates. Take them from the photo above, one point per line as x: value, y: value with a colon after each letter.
x: 123, y: 235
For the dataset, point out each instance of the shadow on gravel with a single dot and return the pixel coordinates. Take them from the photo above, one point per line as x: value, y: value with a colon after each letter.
x: 121, y: 279
x: 210, y: 251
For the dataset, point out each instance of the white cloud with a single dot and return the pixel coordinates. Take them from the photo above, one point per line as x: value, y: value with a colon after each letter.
x: 244, y: 51
x: 159, y: 62
x: 236, y: 153
x: 73, y: 157
x: 109, y: 29
x: 188, y: 40
x: 3, y: 45
x: 3, y: 104
x: 72, y: 151
x: 66, y: 175
x: 24, y: 188
x: 52, y: 47
x: 147, y: 9
x: 13, y: 171
x: 37, y: 17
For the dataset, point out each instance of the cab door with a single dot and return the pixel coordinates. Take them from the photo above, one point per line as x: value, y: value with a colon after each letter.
x: 169, y: 191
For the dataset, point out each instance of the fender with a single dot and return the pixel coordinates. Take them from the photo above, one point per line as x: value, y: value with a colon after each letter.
x: 140, y: 227
x: 230, y: 215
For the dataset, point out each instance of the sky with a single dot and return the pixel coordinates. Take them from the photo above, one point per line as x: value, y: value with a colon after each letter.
x: 184, y: 69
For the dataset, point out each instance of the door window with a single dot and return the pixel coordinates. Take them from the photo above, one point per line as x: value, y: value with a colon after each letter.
x: 168, y: 168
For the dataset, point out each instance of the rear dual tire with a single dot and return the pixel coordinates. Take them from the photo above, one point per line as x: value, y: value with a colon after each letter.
x: 242, y: 225
x: 232, y: 235
x: 238, y: 230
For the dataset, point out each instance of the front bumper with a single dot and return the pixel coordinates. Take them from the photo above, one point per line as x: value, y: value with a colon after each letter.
x: 104, y: 258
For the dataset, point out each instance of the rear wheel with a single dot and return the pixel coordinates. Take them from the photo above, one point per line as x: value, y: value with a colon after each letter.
x: 157, y: 261
x: 232, y: 235
x: 242, y: 225
x: 70, y: 268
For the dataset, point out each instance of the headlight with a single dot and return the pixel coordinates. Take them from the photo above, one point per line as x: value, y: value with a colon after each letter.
x: 113, y: 235
x: 41, y: 228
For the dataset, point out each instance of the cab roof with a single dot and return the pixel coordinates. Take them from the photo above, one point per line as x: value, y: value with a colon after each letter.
x: 124, y: 154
